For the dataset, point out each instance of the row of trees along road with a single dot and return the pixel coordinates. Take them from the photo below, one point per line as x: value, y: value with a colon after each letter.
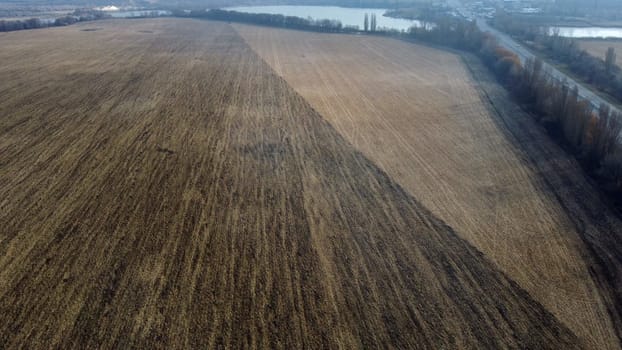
x: 600, y: 72
x: 592, y: 136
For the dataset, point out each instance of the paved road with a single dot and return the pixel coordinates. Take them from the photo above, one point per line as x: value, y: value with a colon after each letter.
x: 524, y: 54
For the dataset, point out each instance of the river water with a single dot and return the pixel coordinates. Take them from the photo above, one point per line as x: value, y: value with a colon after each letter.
x: 588, y: 32
x: 347, y: 16
x: 137, y: 13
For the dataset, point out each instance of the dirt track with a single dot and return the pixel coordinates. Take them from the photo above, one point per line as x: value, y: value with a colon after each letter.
x: 417, y: 113
x: 161, y: 186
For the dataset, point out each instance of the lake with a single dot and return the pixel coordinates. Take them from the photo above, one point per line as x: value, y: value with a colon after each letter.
x: 347, y: 16
x: 588, y: 32
x: 138, y: 13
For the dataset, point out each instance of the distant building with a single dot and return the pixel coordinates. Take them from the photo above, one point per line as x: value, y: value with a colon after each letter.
x: 529, y: 10
x: 522, y: 6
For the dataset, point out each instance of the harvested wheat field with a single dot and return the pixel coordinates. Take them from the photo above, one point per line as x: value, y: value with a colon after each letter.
x: 420, y: 116
x: 162, y: 186
x: 598, y: 48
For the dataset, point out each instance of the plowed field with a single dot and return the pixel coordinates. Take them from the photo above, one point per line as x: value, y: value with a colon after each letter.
x: 421, y: 115
x: 164, y: 184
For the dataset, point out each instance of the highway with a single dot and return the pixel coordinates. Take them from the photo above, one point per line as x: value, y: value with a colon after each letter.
x: 524, y: 54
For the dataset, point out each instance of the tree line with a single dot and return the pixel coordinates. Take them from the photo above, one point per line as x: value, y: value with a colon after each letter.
x: 602, y: 73
x: 34, y: 23
x: 593, y: 137
x: 273, y: 20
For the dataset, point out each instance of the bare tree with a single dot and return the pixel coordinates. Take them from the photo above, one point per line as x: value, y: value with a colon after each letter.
x: 610, y: 59
x: 607, y: 133
x: 373, y: 22
x: 576, y: 118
